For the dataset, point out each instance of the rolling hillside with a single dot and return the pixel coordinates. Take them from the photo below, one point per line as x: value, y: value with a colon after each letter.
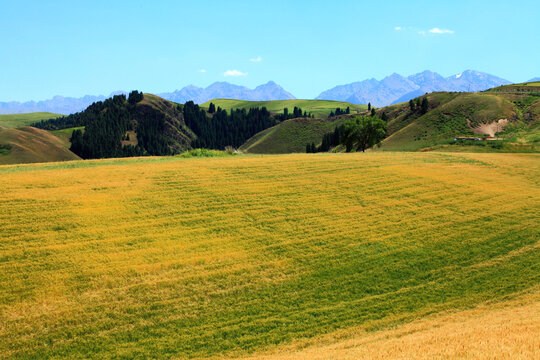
x: 291, y: 136
x: 177, y: 134
x: 453, y: 115
x: 532, y: 86
x: 319, y: 108
x: 31, y: 145
x: 158, y: 122
x: 19, y: 120
x: 163, y: 257
x: 511, y: 116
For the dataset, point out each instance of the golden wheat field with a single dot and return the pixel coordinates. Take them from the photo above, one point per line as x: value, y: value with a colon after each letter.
x: 376, y: 255
x: 507, y: 330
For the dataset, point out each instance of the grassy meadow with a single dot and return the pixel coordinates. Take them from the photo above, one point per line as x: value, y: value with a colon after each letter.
x: 319, y: 108
x: 170, y: 257
x: 18, y: 120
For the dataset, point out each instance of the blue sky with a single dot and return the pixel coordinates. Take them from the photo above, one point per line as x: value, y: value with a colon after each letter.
x: 73, y: 48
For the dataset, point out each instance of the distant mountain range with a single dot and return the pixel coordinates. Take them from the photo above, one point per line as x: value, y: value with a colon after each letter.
x: 218, y: 90
x: 225, y: 90
x: 392, y: 89
x: 58, y: 104
x: 396, y: 88
x: 534, y: 79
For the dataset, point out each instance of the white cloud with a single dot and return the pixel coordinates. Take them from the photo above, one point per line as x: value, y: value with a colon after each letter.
x: 234, y: 73
x: 441, y: 31
x: 398, y: 28
x: 256, y: 60
x: 201, y: 70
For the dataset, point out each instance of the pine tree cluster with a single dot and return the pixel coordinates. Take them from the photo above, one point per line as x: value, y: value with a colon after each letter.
x: 340, y: 111
x: 224, y: 128
x: 329, y: 140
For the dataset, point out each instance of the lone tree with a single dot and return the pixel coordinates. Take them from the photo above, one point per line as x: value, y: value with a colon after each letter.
x: 369, y: 106
x: 363, y: 132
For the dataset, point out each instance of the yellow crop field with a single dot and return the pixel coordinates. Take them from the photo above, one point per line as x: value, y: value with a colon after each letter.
x: 507, y: 330
x: 250, y: 255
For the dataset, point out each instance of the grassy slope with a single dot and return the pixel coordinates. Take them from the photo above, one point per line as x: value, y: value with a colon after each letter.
x: 448, y: 119
x: 18, y: 120
x: 29, y: 145
x: 520, y: 88
x: 169, y: 257
x: 319, y: 108
x: 65, y: 134
x: 290, y: 136
x: 177, y: 133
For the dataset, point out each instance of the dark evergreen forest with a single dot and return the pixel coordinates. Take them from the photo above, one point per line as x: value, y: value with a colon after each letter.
x: 223, y: 129
x: 106, y: 124
x: 329, y: 140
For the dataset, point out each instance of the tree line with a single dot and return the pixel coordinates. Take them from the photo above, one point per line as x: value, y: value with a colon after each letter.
x: 107, y: 122
x: 340, y: 111
x: 223, y: 128
x: 297, y: 113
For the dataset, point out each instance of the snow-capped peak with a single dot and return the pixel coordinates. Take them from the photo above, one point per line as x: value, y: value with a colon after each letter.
x: 458, y: 75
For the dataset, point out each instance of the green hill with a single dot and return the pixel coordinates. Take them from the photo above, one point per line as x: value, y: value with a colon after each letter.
x: 291, y: 136
x: 511, y: 117
x: 115, y: 127
x: 216, y: 258
x: 528, y: 87
x: 176, y: 134
x: 30, y: 145
x: 319, y: 108
x: 18, y: 120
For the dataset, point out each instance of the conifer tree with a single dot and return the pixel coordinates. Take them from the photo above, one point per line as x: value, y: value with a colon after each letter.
x: 425, y: 105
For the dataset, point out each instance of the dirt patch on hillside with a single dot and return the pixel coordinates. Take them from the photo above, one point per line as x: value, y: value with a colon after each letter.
x: 490, y: 129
